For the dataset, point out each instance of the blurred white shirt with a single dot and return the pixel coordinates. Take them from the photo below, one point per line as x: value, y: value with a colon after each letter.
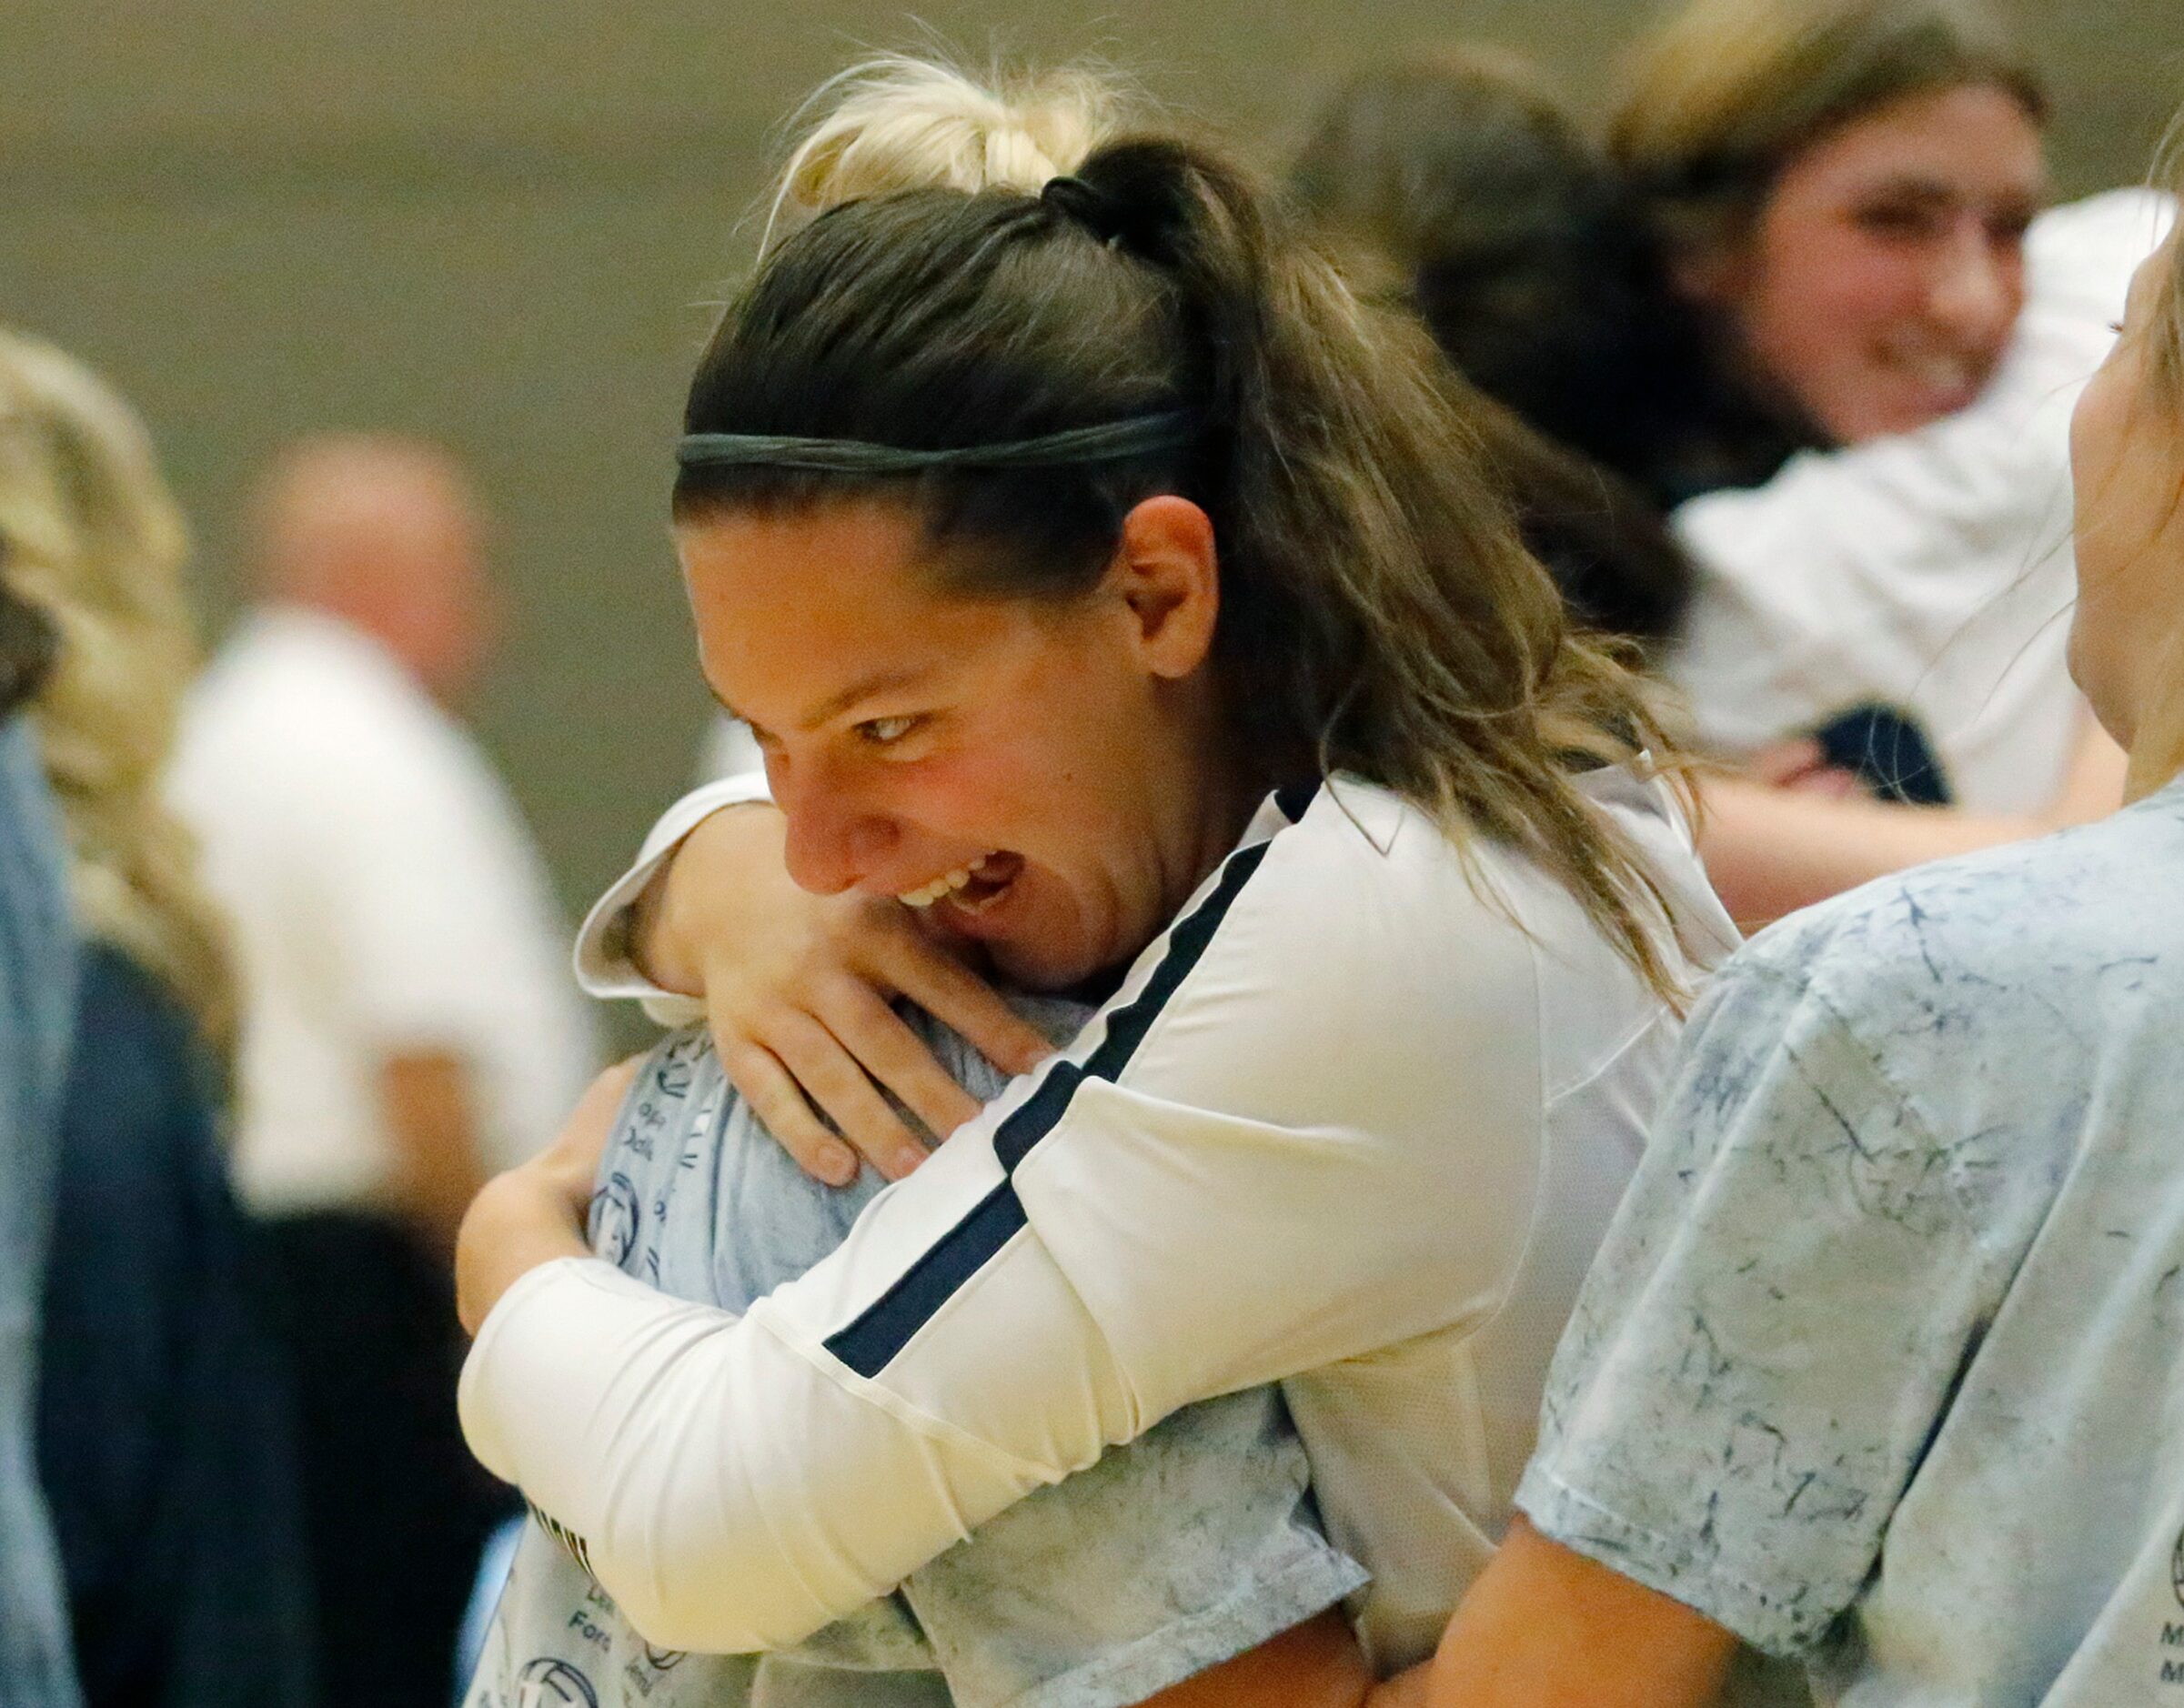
x: 729, y: 749
x: 388, y: 899
x: 1929, y: 571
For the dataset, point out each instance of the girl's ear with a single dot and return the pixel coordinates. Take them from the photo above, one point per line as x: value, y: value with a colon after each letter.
x: 1168, y: 575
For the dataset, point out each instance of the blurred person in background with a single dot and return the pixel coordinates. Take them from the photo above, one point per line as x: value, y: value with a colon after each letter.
x: 1840, y: 191
x: 165, y: 1435
x: 1846, y: 193
x: 1455, y: 188
x: 1813, y: 202
x: 1457, y: 184
x: 409, y: 1026
x: 37, y: 993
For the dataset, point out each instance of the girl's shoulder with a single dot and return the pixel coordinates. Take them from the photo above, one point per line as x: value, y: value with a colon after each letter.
x: 1361, y: 865
x: 2035, y: 957
x: 1361, y: 953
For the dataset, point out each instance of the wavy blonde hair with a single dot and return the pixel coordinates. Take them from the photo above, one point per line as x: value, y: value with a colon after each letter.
x: 1380, y: 614
x: 90, y: 535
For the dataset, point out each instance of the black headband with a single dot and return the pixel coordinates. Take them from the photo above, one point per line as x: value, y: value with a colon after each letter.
x: 1108, y: 442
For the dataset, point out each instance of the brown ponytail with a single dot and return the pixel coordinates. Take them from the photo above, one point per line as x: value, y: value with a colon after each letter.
x: 1379, y: 615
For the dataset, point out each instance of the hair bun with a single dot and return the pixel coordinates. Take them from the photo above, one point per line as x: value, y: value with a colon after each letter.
x: 899, y: 122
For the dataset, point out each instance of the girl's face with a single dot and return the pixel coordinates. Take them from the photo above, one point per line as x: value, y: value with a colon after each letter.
x: 1880, y: 285
x: 1044, y: 778
x: 2127, y: 468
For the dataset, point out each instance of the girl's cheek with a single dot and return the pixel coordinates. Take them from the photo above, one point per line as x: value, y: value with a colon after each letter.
x: 966, y: 785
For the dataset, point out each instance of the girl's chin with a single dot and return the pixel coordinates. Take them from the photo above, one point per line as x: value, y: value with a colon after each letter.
x: 1000, y: 935
x: 1039, y: 974
x: 1029, y: 962
x: 1912, y: 405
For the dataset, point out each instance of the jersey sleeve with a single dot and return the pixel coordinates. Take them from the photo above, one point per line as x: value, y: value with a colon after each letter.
x: 1206, y: 1193
x: 1779, y: 1315
x: 602, y: 958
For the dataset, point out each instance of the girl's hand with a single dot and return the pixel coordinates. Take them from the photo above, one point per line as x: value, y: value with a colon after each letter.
x: 797, y: 989
x: 534, y: 1212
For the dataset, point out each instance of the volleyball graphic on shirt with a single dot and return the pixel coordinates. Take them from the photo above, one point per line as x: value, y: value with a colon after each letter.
x: 614, y: 1217
x: 546, y: 1682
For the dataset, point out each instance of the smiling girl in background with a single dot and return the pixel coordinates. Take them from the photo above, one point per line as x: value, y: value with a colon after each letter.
x: 1843, y: 188
x: 1845, y: 192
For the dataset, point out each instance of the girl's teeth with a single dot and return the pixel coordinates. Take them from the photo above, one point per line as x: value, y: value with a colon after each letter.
x: 948, y: 883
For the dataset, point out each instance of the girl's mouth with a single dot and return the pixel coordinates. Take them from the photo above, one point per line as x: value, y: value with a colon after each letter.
x: 970, y: 888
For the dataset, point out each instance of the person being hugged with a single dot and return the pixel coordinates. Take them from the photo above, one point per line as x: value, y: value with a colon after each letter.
x: 1121, y: 607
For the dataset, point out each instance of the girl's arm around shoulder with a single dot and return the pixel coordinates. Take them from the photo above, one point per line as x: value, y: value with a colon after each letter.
x: 1219, y: 1184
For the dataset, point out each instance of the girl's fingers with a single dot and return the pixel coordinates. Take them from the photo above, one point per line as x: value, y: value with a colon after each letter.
x: 895, y: 1056
x: 833, y: 1083
x: 771, y: 1091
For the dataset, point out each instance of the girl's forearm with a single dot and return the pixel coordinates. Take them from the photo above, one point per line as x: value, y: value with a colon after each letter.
x: 517, y: 1222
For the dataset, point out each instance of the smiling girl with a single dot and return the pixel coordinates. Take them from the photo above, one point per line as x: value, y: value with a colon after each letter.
x: 1118, y: 601
x: 1844, y: 186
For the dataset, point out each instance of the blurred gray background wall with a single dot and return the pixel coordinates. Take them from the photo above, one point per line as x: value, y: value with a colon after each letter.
x: 499, y: 225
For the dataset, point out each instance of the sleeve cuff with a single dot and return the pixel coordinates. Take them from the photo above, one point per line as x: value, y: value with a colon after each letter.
x: 499, y: 1356
x: 1314, y: 1581
x: 603, y: 965
x: 1785, y: 1625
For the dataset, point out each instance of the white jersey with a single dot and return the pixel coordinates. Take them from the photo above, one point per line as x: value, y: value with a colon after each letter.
x: 386, y: 897
x: 1354, y: 1122
x: 1930, y: 571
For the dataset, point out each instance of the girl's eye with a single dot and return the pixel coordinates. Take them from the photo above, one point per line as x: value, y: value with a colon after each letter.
x: 881, y: 731
x: 1896, y: 219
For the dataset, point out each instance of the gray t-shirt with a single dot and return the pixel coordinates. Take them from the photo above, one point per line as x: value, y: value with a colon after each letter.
x: 1880, y: 1364
x: 1195, y: 1542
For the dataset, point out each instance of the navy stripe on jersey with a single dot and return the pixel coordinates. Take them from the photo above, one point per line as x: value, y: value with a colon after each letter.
x: 885, y: 1326
x: 579, y: 1549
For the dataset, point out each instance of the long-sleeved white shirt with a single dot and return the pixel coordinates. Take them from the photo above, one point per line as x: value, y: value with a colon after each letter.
x: 1355, y: 1122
